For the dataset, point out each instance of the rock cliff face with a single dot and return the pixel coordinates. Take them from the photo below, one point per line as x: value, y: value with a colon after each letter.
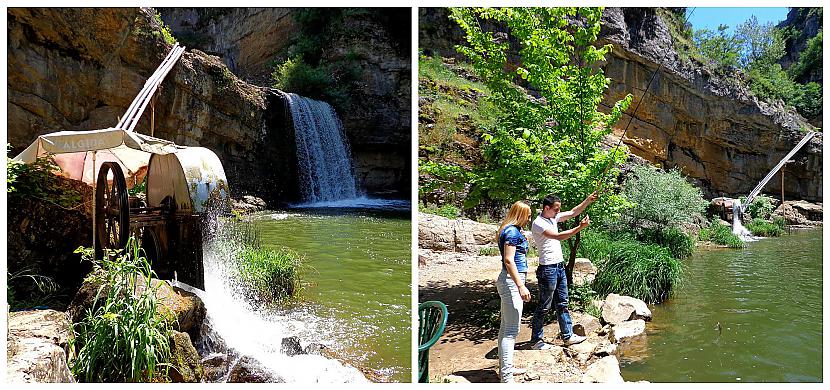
x: 376, y: 118
x: 79, y: 69
x: 714, y: 130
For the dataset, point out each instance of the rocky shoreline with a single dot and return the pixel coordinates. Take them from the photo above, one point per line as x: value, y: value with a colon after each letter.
x: 455, y: 268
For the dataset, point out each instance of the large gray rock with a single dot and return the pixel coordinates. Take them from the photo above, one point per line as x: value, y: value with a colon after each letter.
x: 458, y: 235
x: 605, y: 370
x: 626, y: 330
x: 585, y: 324
x: 185, y: 361
x: 184, y: 310
x: 584, y: 271
x: 38, y: 346
x: 620, y: 308
x: 249, y: 370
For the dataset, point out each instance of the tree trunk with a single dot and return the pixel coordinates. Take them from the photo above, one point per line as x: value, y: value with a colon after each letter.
x: 569, y: 269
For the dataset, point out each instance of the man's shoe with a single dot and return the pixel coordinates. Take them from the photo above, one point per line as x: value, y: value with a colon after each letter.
x: 541, y: 345
x: 575, y: 339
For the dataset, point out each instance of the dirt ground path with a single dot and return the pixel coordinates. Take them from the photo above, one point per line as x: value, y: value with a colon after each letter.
x: 466, y: 284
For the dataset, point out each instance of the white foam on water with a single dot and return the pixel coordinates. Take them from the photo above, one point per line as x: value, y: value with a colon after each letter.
x: 231, y: 323
x: 738, y: 228
x: 360, y: 203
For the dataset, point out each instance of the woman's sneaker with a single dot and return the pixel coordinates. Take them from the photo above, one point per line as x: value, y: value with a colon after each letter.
x: 575, y: 339
x: 541, y: 345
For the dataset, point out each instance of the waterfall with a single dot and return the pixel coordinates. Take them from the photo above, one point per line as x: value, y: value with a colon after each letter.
x: 738, y: 228
x: 323, y: 155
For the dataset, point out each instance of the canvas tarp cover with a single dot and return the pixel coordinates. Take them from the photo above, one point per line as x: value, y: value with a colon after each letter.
x: 72, y: 150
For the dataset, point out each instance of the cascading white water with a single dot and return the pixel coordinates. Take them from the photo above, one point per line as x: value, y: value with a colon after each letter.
x: 323, y: 155
x: 234, y: 328
x: 738, y: 228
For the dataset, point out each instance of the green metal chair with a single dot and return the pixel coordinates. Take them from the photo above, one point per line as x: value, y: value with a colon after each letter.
x: 432, y: 319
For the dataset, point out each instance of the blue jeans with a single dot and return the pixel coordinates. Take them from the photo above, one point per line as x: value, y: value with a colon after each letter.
x: 511, y: 317
x: 553, y: 287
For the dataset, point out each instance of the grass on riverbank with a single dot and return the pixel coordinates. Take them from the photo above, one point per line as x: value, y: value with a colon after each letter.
x: 762, y: 228
x: 266, y: 276
x: 720, y: 234
x: 629, y: 267
x: 122, y: 339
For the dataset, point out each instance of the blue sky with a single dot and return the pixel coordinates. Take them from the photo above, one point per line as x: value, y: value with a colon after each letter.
x: 711, y: 17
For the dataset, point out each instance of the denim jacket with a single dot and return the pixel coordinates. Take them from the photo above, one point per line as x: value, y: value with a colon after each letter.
x: 513, y: 235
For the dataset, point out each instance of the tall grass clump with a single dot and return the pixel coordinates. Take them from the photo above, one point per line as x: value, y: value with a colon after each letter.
x: 644, y: 271
x: 680, y: 244
x: 269, y: 275
x: 720, y: 235
x: 760, y: 227
x: 122, y: 338
x: 266, y: 276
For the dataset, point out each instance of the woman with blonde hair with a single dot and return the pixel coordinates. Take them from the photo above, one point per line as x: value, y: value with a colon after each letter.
x: 511, y: 283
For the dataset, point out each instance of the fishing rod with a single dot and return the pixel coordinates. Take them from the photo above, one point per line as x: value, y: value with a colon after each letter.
x: 600, y: 180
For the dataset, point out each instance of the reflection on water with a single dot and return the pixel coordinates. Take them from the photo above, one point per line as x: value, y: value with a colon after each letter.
x: 767, y: 299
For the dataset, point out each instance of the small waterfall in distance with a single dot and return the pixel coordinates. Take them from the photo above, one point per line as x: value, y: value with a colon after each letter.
x: 323, y: 154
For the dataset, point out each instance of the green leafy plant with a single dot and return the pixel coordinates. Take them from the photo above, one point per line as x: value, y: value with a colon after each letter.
x: 720, y: 235
x: 489, y: 251
x: 760, y: 208
x: 26, y: 289
x: 123, y: 337
x: 163, y: 31
x: 266, y: 276
x: 662, y: 200
x: 446, y: 211
x: 679, y: 244
x: 762, y: 228
x: 39, y: 180
x: 270, y: 276
x: 644, y: 271
x: 582, y: 296
x: 549, y: 143
x: 719, y: 47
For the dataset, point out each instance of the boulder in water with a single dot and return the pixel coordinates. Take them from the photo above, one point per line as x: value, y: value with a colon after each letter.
x: 249, y: 204
x: 626, y: 330
x: 38, y: 342
x: 250, y: 370
x: 184, y: 360
x: 605, y: 370
x: 620, y: 308
x: 215, y: 366
x: 291, y: 346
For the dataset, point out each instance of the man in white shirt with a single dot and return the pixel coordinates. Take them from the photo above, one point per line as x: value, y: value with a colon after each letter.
x: 553, y: 281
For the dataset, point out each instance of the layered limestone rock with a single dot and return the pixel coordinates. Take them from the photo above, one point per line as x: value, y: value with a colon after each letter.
x: 710, y: 127
x: 80, y: 68
x: 38, y: 346
x: 376, y: 115
x: 457, y: 235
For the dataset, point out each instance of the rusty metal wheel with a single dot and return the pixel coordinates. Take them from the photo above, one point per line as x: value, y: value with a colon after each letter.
x: 112, y: 208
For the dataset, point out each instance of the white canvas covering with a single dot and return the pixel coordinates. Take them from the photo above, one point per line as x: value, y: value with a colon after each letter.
x: 73, y: 150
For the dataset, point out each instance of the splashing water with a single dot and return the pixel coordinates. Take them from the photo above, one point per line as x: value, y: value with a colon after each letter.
x: 233, y: 327
x: 738, y: 228
x: 323, y: 155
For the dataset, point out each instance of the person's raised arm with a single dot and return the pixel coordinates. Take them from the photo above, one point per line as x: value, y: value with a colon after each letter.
x: 510, y: 264
x: 579, y: 208
x: 551, y: 233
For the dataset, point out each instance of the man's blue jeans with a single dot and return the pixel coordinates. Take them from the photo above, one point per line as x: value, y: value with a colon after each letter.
x: 553, y: 288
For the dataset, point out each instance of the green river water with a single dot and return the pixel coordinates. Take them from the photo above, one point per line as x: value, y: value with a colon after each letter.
x: 358, y: 275
x: 767, y: 298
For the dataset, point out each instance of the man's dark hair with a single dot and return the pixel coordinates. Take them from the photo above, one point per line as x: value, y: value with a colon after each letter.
x: 550, y: 200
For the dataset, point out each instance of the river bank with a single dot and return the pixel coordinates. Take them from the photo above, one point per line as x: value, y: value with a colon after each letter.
x: 452, y: 270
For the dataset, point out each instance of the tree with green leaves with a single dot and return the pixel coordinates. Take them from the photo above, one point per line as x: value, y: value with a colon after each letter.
x: 719, y: 47
x: 547, y: 139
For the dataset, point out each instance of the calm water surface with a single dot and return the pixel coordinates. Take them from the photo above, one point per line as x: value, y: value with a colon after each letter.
x: 767, y: 298
x: 358, y: 271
